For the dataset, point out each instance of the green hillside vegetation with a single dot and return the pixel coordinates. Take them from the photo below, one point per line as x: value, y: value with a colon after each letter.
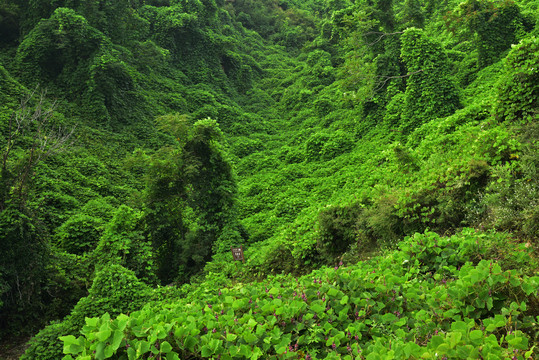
x: 376, y: 159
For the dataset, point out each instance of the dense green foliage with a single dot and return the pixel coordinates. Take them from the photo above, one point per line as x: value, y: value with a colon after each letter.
x: 434, y: 297
x: 141, y: 140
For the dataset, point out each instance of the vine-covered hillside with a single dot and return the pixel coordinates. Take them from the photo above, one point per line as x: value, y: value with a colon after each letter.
x: 377, y: 160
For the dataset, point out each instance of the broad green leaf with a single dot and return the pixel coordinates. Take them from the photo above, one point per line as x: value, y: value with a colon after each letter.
x: 117, y: 339
x: 172, y: 356
x: 165, y: 347
x: 92, y: 322
x: 250, y: 338
x: 103, y: 335
x: 476, y: 334
x: 69, y: 339
x: 131, y: 353
x: 189, y: 343
x: 206, y: 351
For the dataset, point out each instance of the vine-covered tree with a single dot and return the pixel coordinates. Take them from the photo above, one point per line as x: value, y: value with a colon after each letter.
x: 495, y: 24
x: 190, y: 198
x: 430, y: 91
x: 25, y: 254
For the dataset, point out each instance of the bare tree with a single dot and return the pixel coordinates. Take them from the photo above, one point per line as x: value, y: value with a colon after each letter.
x: 31, y: 126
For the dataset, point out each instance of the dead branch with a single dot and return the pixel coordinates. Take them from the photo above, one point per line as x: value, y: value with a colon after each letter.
x: 45, y: 139
x: 381, y: 84
x: 382, y: 35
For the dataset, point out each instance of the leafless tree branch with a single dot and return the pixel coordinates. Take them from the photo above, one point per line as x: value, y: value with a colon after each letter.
x: 385, y: 79
x: 46, y: 140
x: 381, y: 35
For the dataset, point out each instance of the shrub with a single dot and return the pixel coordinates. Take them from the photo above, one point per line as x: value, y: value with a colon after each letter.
x: 339, y: 143
x: 512, y: 196
x: 123, y: 243
x: 315, y: 144
x: 434, y: 297
x: 245, y: 146
x: 338, y: 228
x: 79, y: 234
x: 45, y: 345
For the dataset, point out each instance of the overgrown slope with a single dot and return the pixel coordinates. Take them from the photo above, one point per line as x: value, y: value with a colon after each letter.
x: 161, y: 133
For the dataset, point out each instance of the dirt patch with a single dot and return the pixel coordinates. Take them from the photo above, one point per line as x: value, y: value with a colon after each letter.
x: 13, y: 348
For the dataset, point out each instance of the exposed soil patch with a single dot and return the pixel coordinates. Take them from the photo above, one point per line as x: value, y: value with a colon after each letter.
x: 13, y: 348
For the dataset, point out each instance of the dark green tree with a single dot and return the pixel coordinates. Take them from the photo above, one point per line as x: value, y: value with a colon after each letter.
x: 495, y: 24
x: 190, y: 210
x: 24, y: 259
x: 430, y: 92
x: 25, y: 256
x: 412, y: 15
x: 59, y: 50
x: 9, y: 22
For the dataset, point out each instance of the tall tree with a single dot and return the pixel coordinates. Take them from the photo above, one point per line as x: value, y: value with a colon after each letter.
x: 190, y: 198
x: 494, y: 24
x: 430, y: 92
x: 25, y: 253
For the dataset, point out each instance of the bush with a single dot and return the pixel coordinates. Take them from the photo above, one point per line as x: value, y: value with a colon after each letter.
x: 244, y: 146
x: 435, y: 297
x: 79, y: 234
x: 339, y: 143
x: 338, y: 229
x: 123, y: 243
x: 511, y: 198
x: 45, y: 345
x: 115, y: 290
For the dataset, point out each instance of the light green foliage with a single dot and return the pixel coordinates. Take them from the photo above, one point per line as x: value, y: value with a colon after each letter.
x: 431, y: 298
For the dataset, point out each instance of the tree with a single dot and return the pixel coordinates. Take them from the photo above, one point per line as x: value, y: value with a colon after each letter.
x: 412, y: 15
x: 190, y: 201
x: 24, y: 258
x: 495, y: 25
x: 430, y: 92
x: 518, y: 88
x: 25, y: 255
x: 31, y: 138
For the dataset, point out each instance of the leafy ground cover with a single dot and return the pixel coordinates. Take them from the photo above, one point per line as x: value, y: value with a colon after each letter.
x: 435, y: 297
